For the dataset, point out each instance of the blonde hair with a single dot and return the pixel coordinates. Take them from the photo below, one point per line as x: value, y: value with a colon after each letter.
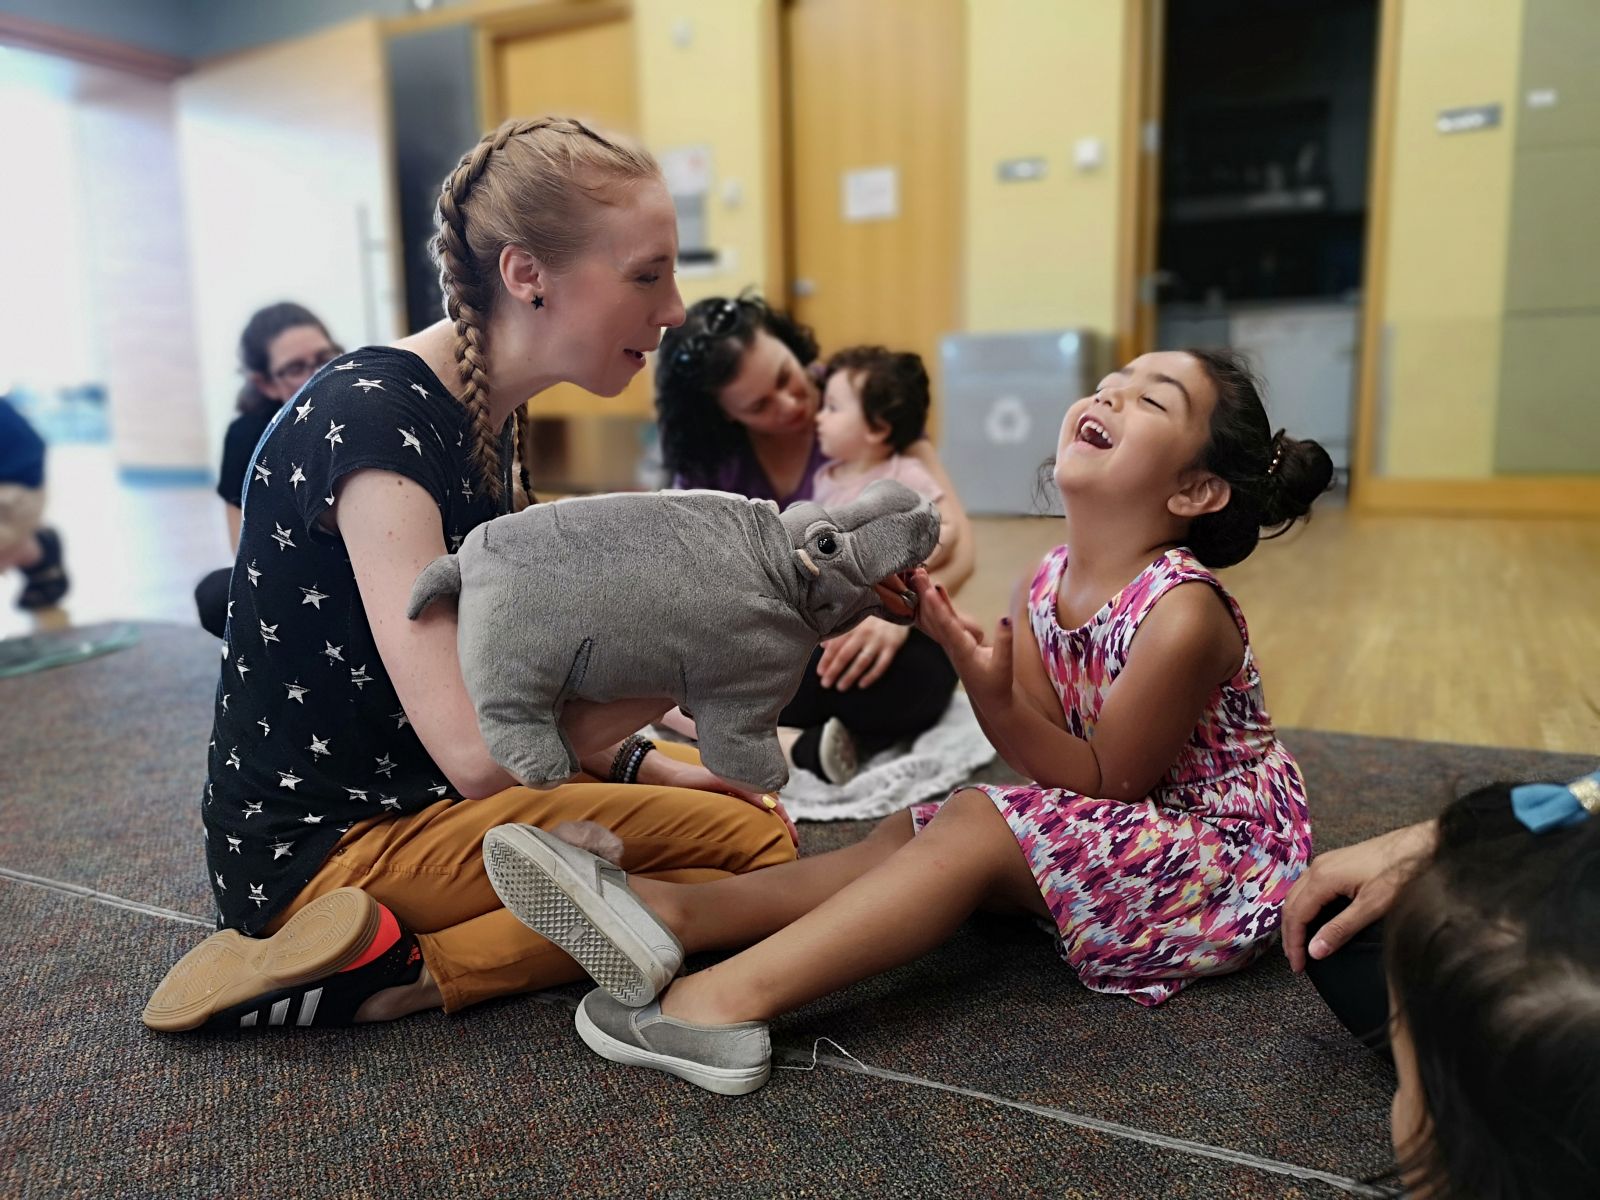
x: 537, y: 184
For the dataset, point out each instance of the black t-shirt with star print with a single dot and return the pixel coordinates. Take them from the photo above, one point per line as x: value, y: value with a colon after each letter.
x: 309, y: 736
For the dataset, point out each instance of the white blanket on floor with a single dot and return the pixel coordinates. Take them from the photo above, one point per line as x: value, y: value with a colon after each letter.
x: 928, y: 769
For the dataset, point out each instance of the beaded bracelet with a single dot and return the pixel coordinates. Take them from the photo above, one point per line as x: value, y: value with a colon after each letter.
x: 630, y: 757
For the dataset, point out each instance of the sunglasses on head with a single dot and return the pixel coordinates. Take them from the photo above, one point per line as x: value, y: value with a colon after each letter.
x: 721, y: 319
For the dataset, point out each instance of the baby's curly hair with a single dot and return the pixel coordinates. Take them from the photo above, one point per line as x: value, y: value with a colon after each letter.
x: 894, y: 390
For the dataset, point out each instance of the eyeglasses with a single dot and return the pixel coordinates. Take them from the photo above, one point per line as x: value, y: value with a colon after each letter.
x: 721, y: 319
x: 300, y: 369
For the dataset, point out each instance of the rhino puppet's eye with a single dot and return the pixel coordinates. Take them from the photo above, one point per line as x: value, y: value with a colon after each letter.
x: 827, y: 543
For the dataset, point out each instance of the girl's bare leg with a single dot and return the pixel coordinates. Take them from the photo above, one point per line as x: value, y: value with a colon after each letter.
x: 895, y: 911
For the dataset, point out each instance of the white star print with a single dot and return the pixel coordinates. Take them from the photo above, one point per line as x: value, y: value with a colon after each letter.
x: 252, y: 808
x: 269, y: 633
x: 225, y: 696
x: 400, y: 719
x: 440, y: 790
x: 233, y: 759
x: 263, y: 474
x: 233, y: 846
x: 366, y: 385
x: 255, y: 575
x: 357, y: 793
x: 302, y: 411
x: 256, y: 894
x: 221, y: 887
x: 333, y: 434
x: 287, y: 780
x: 409, y: 440
x: 312, y: 818
x: 385, y: 767
x: 298, y: 477
x: 319, y: 745
x: 225, y: 644
x: 455, y: 541
x: 284, y: 537
x: 389, y: 801
x: 313, y: 597
x: 241, y: 668
x: 297, y: 693
x: 420, y: 390
x: 328, y: 500
x: 359, y: 676
x: 211, y: 791
x: 466, y: 485
x: 230, y: 617
x: 280, y: 849
x: 333, y: 652
x: 265, y: 728
x: 349, y: 366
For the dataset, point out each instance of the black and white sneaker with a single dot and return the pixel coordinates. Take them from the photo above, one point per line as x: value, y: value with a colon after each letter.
x: 325, y: 962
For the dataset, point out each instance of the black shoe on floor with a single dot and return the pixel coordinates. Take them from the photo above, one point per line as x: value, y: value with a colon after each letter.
x: 46, y: 580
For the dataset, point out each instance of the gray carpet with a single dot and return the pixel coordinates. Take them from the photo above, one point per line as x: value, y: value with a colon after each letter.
x: 99, y: 783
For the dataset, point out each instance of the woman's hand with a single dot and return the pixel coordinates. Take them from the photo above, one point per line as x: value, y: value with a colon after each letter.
x: 663, y: 771
x: 985, y: 670
x: 859, y: 658
x: 1371, y: 873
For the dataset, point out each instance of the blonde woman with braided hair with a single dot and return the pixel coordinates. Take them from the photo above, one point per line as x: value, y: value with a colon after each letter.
x: 348, y: 787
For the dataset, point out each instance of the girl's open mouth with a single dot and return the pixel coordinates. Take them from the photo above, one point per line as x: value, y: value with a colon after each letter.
x: 1093, y: 433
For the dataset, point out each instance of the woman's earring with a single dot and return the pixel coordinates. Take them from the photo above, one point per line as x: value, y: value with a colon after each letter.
x: 538, y: 300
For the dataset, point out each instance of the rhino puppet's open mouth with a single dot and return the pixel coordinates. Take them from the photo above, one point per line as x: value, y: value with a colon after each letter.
x: 896, y: 595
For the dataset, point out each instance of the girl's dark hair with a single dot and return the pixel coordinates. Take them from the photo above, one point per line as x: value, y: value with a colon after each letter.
x: 1493, y: 954
x: 697, y: 360
x: 255, y: 343
x: 1273, y: 478
x: 894, y: 390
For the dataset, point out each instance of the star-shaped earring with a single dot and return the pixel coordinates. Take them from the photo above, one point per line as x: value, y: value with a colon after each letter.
x: 538, y: 300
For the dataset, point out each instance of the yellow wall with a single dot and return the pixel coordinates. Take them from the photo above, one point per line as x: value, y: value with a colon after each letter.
x: 1042, y: 74
x: 1443, y: 295
x: 719, y: 90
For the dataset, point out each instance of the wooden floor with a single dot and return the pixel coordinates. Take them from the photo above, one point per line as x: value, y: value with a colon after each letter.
x: 1477, y: 631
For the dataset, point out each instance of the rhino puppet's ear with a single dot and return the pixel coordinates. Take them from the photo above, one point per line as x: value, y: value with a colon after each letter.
x: 772, y: 504
x: 805, y: 561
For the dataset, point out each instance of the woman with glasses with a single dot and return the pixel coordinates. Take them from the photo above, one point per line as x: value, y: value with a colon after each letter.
x: 281, y: 347
x: 737, y: 394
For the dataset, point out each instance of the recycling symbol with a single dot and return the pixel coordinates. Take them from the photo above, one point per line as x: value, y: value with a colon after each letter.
x: 1007, y: 421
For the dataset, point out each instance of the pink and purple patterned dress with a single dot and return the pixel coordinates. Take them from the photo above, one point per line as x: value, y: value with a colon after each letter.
x: 1188, y: 882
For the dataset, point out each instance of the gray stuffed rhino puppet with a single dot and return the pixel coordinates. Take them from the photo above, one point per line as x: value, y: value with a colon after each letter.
x: 707, y: 598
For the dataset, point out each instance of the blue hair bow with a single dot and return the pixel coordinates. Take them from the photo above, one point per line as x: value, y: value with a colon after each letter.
x: 1545, y: 806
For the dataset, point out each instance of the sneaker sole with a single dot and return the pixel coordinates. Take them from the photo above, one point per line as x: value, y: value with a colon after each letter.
x: 226, y: 969
x: 544, y: 892
x: 836, y: 752
x: 725, y: 1081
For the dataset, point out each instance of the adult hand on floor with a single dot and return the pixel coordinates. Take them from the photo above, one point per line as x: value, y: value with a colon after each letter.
x: 1370, y: 873
x: 860, y: 657
x: 670, y: 772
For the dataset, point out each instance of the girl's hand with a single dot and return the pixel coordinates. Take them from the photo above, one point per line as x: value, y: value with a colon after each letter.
x: 984, y: 669
x: 670, y: 772
x: 859, y: 658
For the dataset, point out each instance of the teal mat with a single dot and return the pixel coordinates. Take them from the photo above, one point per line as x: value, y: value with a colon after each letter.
x: 57, y: 648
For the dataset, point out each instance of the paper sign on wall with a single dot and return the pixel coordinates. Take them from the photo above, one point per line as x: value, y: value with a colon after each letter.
x: 871, y: 194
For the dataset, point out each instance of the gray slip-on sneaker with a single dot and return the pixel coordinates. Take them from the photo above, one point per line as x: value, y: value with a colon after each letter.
x: 583, y: 904
x: 727, y: 1059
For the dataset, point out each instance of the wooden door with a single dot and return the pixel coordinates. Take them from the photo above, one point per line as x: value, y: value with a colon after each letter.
x: 879, y: 88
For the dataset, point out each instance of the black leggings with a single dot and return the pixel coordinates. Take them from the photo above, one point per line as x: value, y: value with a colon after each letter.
x: 909, y: 699
x: 211, y: 600
x: 1351, y: 980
